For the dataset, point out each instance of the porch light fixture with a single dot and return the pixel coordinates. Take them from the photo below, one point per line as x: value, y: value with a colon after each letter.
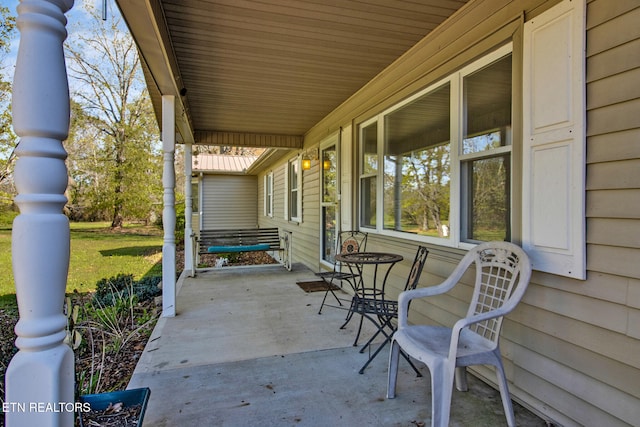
x: 307, y: 157
x: 306, y: 163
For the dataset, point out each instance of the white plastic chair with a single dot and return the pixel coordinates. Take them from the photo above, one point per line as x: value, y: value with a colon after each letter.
x: 503, y: 271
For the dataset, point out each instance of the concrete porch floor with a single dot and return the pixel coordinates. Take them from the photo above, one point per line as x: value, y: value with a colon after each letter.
x: 248, y: 348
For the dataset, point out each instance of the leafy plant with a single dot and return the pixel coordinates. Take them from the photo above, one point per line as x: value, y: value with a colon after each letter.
x: 73, y: 338
x: 8, y: 316
x: 113, y: 319
x: 122, y: 286
x: 110, y: 321
x: 89, y: 381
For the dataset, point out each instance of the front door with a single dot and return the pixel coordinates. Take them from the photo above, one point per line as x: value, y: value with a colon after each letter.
x: 329, y: 200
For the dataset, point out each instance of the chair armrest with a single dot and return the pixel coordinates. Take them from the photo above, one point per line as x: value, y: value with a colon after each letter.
x: 406, y: 296
x: 468, y: 321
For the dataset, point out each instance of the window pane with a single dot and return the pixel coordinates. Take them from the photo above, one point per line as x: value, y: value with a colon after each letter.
x: 417, y: 165
x: 329, y: 174
x: 294, y: 204
x: 293, y: 190
x: 487, y: 107
x: 329, y: 233
x: 368, y: 200
x: 293, y: 176
x: 370, y: 149
x: 194, y: 197
x: 489, y: 213
x: 269, y: 192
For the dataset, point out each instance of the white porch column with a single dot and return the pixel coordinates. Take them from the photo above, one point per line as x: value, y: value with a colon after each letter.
x: 169, y: 211
x: 189, y: 265
x: 42, y: 372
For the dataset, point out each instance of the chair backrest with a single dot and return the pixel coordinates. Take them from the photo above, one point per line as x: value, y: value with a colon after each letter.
x: 351, y: 241
x: 502, y: 275
x: 416, y: 268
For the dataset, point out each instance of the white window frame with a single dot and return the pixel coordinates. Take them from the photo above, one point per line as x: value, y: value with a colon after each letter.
x: 268, y: 195
x: 293, y: 194
x: 365, y: 176
x: 456, y: 132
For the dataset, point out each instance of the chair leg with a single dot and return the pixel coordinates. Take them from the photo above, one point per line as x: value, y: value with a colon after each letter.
x: 355, y: 343
x: 441, y: 392
x: 408, y: 359
x: 329, y: 289
x: 461, y: 379
x: 504, y: 394
x: 378, y: 332
x: 387, y: 339
x: 375, y: 353
x: 349, y: 314
x: 323, y: 300
x: 393, y: 369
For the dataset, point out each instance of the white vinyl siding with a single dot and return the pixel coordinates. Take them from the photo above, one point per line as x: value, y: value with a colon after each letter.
x: 229, y: 201
x: 553, y: 214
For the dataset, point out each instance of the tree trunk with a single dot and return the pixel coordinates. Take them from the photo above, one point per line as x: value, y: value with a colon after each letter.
x: 117, y: 218
x: 118, y: 203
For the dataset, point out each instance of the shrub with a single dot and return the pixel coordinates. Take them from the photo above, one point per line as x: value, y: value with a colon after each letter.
x: 112, y: 320
x: 147, y: 287
x: 108, y: 291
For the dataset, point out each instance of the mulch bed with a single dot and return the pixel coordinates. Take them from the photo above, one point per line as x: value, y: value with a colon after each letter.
x: 113, y: 416
x: 242, y: 258
x: 117, y: 367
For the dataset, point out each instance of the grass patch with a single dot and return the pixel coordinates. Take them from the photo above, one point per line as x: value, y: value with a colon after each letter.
x: 96, y: 252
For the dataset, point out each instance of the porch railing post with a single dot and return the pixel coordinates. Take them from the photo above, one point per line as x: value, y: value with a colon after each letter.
x: 41, y: 374
x: 189, y: 262
x: 169, y: 211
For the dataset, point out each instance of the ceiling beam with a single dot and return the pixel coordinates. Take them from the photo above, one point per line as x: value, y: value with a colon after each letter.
x: 241, y: 139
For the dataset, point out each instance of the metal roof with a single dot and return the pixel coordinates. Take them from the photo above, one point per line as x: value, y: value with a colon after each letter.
x: 222, y: 163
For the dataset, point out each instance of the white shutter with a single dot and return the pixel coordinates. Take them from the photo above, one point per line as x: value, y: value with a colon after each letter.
x: 554, y: 108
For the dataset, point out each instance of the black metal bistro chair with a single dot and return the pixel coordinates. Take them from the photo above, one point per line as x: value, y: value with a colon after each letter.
x: 347, y: 242
x: 383, y: 311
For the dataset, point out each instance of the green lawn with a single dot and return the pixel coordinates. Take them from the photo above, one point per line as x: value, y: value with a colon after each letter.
x: 96, y: 253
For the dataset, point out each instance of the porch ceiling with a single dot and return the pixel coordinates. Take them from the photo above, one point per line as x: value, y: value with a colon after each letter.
x: 262, y: 73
